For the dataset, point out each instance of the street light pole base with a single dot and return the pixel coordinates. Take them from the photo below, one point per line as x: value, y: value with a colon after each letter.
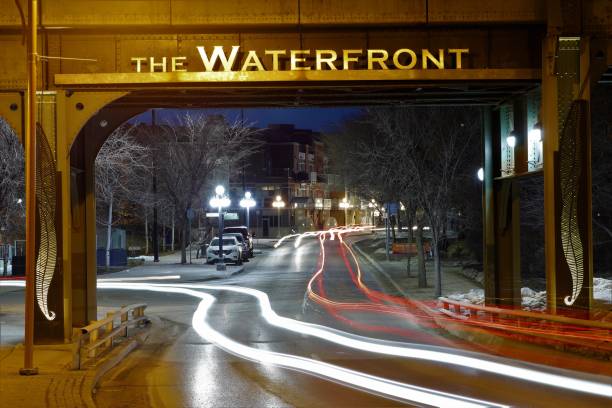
x: 28, y: 371
x: 220, y: 267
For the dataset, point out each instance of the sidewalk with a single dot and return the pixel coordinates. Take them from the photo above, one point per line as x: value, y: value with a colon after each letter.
x: 54, y: 386
x: 170, y: 265
x: 57, y: 385
x: 398, y: 281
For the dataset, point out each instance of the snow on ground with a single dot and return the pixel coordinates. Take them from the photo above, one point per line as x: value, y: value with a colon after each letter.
x: 534, y: 300
x: 602, y: 289
x: 145, y: 258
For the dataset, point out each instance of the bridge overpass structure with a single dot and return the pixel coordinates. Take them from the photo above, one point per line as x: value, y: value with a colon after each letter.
x: 529, y: 63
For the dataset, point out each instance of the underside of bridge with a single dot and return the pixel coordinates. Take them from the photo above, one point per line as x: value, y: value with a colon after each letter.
x: 529, y: 62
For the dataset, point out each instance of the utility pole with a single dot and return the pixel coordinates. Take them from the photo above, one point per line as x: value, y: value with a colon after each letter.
x: 30, y: 150
x: 155, y: 231
x: 387, y: 225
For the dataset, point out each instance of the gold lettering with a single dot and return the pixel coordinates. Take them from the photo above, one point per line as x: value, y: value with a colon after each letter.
x: 346, y: 57
x: 153, y: 64
x: 275, y: 54
x: 252, y: 60
x: 320, y: 59
x: 379, y: 60
x: 218, y: 54
x: 139, y: 61
x: 295, y: 60
x: 398, y: 64
x: 458, y: 52
x: 426, y: 55
x: 177, y: 64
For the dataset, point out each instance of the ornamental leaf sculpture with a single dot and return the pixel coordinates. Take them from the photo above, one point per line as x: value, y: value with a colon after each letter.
x: 570, y: 158
x: 46, y: 258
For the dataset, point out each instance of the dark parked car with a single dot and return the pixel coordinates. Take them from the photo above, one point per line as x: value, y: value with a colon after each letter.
x: 243, y: 242
x: 245, y: 233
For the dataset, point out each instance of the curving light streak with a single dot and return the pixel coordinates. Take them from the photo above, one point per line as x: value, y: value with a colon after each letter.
x: 140, y: 278
x: 407, y: 350
x: 280, y: 241
x: 331, y: 231
x: 13, y: 283
x: 355, y: 379
x: 502, y: 324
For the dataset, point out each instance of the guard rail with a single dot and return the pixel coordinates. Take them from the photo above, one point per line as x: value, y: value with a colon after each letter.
x: 99, y: 336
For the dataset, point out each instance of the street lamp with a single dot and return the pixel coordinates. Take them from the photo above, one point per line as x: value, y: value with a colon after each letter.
x: 344, y: 204
x: 535, y: 145
x: 510, y: 143
x: 220, y: 200
x: 278, y: 204
x: 480, y: 174
x: 247, y: 202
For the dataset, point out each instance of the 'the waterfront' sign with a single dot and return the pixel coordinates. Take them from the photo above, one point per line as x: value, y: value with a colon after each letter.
x: 305, y: 60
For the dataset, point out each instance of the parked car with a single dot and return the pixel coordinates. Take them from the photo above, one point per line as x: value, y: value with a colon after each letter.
x: 243, y: 242
x: 232, y: 251
x: 245, y: 233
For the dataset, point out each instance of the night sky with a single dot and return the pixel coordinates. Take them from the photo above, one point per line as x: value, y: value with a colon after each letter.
x: 318, y: 119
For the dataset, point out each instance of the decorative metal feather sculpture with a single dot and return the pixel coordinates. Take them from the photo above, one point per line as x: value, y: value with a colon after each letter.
x: 570, y: 158
x: 46, y: 206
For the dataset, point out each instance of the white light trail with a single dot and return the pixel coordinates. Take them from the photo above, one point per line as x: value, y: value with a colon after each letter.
x: 331, y: 232
x: 406, y: 350
x: 140, y: 278
x: 414, y: 351
x: 372, y: 384
x: 280, y: 241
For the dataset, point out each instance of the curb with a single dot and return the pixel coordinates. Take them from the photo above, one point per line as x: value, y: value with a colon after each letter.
x: 379, y: 268
x: 429, y: 311
x: 117, y: 355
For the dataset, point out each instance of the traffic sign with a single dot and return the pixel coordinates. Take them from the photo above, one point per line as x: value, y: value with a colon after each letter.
x: 226, y: 216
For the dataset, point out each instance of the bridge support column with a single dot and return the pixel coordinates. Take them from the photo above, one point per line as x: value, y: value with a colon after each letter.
x: 567, y: 175
x: 81, y: 136
x: 83, y: 233
x: 501, y: 217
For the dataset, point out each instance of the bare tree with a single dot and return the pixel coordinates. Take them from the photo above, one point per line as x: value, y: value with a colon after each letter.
x: 122, y: 177
x: 190, y: 153
x: 12, y: 187
x: 431, y: 147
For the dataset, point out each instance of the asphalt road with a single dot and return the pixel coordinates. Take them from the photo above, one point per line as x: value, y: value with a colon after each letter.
x: 213, y: 343
x: 179, y: 367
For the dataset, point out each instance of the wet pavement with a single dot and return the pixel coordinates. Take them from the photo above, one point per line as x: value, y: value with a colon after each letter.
x: 177, y: 367
x: 216, y: 346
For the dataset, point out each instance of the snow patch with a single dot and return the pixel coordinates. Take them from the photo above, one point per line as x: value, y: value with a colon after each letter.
x: 474, y: 296
x: 602, y: 289
x: 536, y: 300
x: 145, y: 258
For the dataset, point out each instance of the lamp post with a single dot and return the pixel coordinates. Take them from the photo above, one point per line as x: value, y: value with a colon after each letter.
x: 345, y: 205
x: 220, y: 200
x: 30, y: 192
x: 278, y: 204
x: 247, y: 202
x: 535, y: 145
x: 511, y: 143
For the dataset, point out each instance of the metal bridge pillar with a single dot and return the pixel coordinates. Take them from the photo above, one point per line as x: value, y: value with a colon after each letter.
x: 567, y: 174
x: 87, y: 124
x: 501, y: 213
